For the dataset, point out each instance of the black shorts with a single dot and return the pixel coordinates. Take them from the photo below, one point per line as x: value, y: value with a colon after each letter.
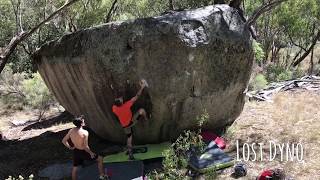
x: 81, y: 155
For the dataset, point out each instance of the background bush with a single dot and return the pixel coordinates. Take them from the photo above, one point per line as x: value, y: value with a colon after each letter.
x: 275, y: 73
x: 36, y: 92
x: 11, y: 89
x: 258, y: 82
x: 258, y: 52
x: 19, y: 91
x: 176, y: 157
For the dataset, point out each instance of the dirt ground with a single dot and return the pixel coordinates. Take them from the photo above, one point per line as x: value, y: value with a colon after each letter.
x: 35, y: 145
x: 292, y: 118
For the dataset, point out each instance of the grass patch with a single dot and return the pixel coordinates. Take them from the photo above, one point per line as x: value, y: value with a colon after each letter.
x: 292, y: 118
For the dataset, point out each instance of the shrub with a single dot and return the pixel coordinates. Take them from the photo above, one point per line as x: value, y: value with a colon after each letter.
x: 276, y: 73
x: 11, y: 90
x: 298, y: 73
x: 285, y: 75
x: 37, y: 95
x: 258, y: 51
x: 176, y: 157
x: 36, y: 91
x: 19, y: 90
x: 258, y: 82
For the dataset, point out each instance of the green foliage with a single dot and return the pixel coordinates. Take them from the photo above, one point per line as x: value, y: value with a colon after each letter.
x: 19, y: 90
x: 293, y: 22
x: 285, y: 75
x: 276, y: 73
x: 258, y: 51
x: 36, y: 92
x: 191, y: 4
x: 11, y: 89
x: 7, y: 25
x: 298, y: 18
x: 258, y: 82
x: 211, y: 174
x: 176, y: 157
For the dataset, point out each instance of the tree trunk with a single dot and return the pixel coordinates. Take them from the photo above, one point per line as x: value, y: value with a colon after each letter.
x: 275, y: 55
x: 314, y: 41
x: 297, y: 55
x: 311, y: 63
x: 8, y: 50
x: 171, y: 7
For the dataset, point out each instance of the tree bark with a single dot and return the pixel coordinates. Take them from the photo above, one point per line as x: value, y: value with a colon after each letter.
x: 297, y: 55
x: 314, y: 41
x: 9, y: 49
x: 171, y: 6
x: 311, y: 63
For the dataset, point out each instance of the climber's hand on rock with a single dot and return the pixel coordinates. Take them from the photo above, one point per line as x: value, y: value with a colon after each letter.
x: 142, y: 84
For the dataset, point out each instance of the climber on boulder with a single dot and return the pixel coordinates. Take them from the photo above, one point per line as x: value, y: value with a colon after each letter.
x: 123, y: 111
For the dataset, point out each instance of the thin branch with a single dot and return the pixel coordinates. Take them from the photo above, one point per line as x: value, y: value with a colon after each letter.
x: 26, y: 48
x: 314, y: 41
x: 298, y: 45
x: 12, y: 92
x: 297, y: 55
x: 110, y: 12
x: 262, y: 9
x: 69, y: 3
x: 20, y: 17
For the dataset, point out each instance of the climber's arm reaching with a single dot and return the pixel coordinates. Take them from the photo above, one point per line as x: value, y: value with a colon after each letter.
x: 142, y: 86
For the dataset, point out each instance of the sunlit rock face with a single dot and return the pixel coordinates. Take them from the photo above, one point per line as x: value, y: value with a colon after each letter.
x: 193, y: 61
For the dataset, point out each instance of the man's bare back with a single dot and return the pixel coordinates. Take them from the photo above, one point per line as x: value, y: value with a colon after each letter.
x: 81, y: 149
x: 78, y: 137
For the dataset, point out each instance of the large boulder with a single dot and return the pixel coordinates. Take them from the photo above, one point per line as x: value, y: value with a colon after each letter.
x: 194, y: 61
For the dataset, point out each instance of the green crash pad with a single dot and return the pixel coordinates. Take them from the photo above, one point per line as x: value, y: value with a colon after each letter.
x: 153, y: 151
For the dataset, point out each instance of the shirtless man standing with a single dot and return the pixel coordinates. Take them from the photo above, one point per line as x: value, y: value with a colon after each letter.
x: 81, y: 150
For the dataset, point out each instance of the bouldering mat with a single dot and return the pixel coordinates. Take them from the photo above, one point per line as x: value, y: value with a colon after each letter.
x: 116, y: 171
x: 213, y: 158
x: 153, y: 151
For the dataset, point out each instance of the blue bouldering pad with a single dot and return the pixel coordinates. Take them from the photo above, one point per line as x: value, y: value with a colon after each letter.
x: 213, y: 158
x: 117, y: 171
